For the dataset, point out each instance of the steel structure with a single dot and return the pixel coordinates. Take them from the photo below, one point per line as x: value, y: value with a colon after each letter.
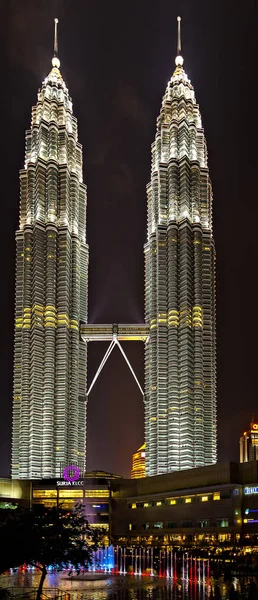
x: 113, y: 343
x: 49, y: 409
x: 115, y: 334
x: 126, y: 333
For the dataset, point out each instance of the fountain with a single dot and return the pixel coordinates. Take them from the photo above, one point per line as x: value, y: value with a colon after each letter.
x: 143, y: 561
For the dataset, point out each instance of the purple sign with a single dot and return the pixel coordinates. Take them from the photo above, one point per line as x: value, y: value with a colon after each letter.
x: 71, y: 473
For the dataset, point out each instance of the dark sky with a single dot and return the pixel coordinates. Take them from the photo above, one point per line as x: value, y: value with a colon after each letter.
x: 116, y: 58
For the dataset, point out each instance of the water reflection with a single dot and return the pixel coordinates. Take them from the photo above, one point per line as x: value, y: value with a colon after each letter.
x: 114, y: 587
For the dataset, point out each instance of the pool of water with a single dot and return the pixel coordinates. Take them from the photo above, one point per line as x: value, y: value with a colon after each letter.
x: 110, y: 587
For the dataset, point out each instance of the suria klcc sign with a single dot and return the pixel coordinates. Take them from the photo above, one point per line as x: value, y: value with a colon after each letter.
x: 71, y: 475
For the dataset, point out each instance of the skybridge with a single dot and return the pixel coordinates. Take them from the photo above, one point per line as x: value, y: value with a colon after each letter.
x: 124, y: 333
x: 114, y: 334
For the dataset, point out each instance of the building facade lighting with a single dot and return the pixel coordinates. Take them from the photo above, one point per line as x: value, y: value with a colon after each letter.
x: 180, y: 355
x: 49, y: 408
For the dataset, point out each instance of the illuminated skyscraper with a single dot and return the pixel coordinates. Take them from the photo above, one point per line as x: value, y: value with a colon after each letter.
x: 180, y: 357
x: 248, y: 443
x: 51, y: 291
x: 138, y: 463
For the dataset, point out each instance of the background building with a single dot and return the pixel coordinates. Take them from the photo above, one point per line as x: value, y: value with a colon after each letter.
x: 212, y: 504
x: 138, y: 463
x: 180, y: 357
x: 249, y: 443
x: 13, y: 493
x: 49, y: 412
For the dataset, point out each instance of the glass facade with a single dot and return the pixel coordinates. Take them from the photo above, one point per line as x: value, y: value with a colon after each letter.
x: 49, y: 409
x: 248, y: 443
x: 93, y: 495
x: 138, y: 463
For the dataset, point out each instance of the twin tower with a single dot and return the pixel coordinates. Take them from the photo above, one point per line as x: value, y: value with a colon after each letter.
x: 52, y: 255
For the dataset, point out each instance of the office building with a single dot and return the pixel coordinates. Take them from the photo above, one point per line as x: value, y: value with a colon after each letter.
x: 180, y: 356
x: 138, y: 463
x: 213, y: 505
x: 51, y: 331
x: 248, y: 443
x: 49, y: 409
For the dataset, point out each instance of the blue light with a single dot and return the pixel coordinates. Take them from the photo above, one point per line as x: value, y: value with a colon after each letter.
x: 250, y: 490
x: 252, y: 520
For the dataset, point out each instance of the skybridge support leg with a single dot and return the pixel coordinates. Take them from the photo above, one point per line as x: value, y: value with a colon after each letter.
x: 130, y: 367
x: 104, y: 360
x: 111, y: 346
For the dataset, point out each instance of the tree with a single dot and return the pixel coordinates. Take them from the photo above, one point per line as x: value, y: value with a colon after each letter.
x: 15, y: 531
x: 47, y: 536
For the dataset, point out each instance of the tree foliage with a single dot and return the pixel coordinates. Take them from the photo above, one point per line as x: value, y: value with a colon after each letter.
x: 46, y: 536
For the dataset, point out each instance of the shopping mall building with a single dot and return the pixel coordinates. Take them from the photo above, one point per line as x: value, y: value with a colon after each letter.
x: 212, y: 504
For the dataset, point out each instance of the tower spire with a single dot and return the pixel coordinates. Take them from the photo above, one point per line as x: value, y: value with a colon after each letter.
x: 179, y: 59
x: 55, y: 59
x: 178, y: 35
x: 55, y: 39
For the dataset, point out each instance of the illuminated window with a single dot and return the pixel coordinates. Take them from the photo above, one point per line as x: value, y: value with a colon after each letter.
x: 130, y: 526
x: 188, y: 500
x: 158, y: 503
x: 134, y: 505
x: 172, y: 501
x: 205, y: 498
x: 66, y: 504
x: 48, y: 502
x: 98, y: 525
x: 205, y: 523
x: 146, y: 504
x: 70, y: 493
x: 216, y: 496
x: 96, y: 493
x: 158, y: 525
x: 44, y: 493
x: 222, y: 523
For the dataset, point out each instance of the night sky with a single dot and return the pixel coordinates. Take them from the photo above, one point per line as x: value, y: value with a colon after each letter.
x: 116, y: 59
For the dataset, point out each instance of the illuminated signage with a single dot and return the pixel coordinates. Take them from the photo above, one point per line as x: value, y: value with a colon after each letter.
x: 69, y: 483
x: 250, y: 490
x: 254, y: 426
x: 71, y: 473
